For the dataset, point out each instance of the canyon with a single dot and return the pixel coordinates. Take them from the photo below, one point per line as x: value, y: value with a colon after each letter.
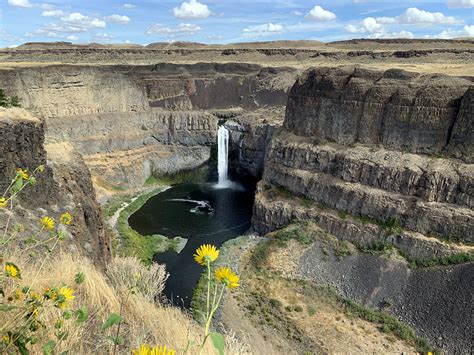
x: 373, y: 154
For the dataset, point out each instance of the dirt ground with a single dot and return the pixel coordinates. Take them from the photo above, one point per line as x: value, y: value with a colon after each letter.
x: 275, y: 314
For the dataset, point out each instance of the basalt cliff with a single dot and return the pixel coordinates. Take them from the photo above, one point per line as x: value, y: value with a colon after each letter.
x: 129, y: 122
x: 381, y: 160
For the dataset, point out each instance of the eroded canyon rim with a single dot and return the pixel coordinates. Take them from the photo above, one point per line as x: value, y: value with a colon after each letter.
x: 370, y: 155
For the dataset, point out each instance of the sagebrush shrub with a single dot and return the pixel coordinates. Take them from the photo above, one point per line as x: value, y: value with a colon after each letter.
x: 149, y: 281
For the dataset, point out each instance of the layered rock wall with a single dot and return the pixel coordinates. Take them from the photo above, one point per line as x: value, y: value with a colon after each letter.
x: 64, y: 186
x: 379, y: 146
x: 131, y: 121
x: 396, y: 109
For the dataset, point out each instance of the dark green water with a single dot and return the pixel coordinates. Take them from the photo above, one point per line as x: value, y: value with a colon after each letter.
x: 202, y: 214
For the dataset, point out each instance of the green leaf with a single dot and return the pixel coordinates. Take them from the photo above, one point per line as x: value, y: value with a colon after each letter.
x: 17, y: 185
x: 81, y: 315
x: 79, y: 278
x: 49, y: 347
x: 218, y: 341
x: 67, y: 315
x: 113, y: 319
x: 118, y: 341
x: 6, y: 307
x: 62, y: 336
x: 32, y: 181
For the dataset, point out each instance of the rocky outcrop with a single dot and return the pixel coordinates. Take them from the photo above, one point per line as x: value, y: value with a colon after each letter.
x: 383, y: 160
x: 352, y: 141
x: 274, y: 210
x: 435, y: 301
x: 65, y: 184
x: 129, y: 122
x: 126, y: 148
x: 395, y: 109
x: 251, y: 134
x: 22, y: 146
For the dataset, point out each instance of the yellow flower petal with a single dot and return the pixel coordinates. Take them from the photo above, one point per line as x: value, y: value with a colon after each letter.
x: 3, y: 202
x: 11, y: 270
x: 47, y: 223
x: 63, y: 296
x: 206, y: 253
x: 65, y: 218
x: 162, y: 350
x: 142, y: 350
x: 227, y: 277
x: 23, y: 173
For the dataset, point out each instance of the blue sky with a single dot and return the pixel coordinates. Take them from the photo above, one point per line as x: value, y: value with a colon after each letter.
x: 226, y: 21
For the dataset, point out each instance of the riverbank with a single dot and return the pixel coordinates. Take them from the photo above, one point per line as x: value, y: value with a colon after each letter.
x: 117, y: 211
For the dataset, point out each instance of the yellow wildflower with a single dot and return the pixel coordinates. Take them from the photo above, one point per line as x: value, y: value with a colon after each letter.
x: 3, y: 202
x: 23, y: 173
x: 146, y: 350
x: 34, y: 296
x: 17, y: 294
x: 206, y: 253
x: 6, y: 339
x: 227, y: 277
x: 65, y: 218
x: 162, y: 350
x: 63, y: 296
x: 11, y: 270
x: 47, y: 223
x: 142, y: 350
x: 35, y: 312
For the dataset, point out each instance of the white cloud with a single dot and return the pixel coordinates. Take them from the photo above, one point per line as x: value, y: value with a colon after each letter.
x: 467, y: 31
x: 266, y: 29
x: 47, y: 6
x: 78, y: 20
x: 401, y: 34
x: 103, y: 37
x: 71, y: 23
x: 72, y: 38
x: 319, y: 14
x: 461, y: 3
x: 53, y: 13
x: 118, y: 19
x: 181, y: 30
x: 368, y: 25
x: 371, y: 25
x: 297, y: 13
x: 353, y: 29
x: 129, y: 6
x: 192, y: 9
x: 377, y: 27
x: 19, y: 3
x: 417, y: 16
x: 387, y: 20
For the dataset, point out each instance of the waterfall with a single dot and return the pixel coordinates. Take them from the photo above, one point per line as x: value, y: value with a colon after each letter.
x: 222, y: 155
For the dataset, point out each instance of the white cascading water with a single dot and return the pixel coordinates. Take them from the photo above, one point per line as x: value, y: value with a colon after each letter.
x: 222, y: 156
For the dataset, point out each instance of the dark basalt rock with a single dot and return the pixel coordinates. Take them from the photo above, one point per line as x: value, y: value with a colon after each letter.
x: 399, y: 110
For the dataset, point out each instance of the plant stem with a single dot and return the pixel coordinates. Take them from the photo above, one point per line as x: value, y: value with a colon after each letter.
x: 208, y: 287
x: 214, y: 309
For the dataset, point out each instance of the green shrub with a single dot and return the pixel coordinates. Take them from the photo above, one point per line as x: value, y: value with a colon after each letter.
x: 5, y: 101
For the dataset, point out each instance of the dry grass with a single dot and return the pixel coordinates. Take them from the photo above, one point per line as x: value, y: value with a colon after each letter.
x: 144, y: 320
x: 126, y: 272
